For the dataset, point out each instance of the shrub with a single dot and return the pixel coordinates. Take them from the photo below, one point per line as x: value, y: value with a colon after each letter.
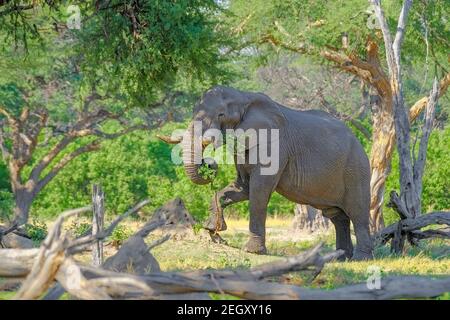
x: 36, y: 230
x: 120, y: 234
x: 79, y: 228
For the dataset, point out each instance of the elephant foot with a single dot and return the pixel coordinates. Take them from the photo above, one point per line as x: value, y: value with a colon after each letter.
x: 255, y: 245
x: 215, y: 224
x: 216, y: 238
x: 344, y: 257
x: 216, y: 221
x: 362, y: 255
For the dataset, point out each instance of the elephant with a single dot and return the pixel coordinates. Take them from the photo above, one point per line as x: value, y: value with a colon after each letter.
x: 320, y: 163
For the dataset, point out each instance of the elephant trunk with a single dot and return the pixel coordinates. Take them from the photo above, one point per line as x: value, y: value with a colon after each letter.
x: 193, y: 158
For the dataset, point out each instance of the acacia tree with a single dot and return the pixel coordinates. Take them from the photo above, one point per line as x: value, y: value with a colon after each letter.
x: 67, y: 90
x: 336, y: 31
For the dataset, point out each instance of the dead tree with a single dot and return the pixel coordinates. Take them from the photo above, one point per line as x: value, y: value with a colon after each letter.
x: 98, y: 216
x: 408, y: 203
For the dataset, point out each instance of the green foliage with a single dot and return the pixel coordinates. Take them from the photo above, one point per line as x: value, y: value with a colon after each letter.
x: 36, y: 230
x: 137, y: 60
x: 317, y: 24
x: 206, y: 173
x: 6, y: 205
x: 367, y: 144
x: 436, y: 183
x: 120, y: 234
x: 79, y: 228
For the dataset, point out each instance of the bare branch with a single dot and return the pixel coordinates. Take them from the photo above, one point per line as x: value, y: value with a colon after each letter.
x: 417, y: 108
x: 7, y: 114
x: 392, y: 61
x: 92, y: 146
x: 115, y: 135
x: 408, y: 225
x: 16, y: 8
x: 419, y: 165
x: 158, y: 242
x: 80, y: 243
x: 401, y: 25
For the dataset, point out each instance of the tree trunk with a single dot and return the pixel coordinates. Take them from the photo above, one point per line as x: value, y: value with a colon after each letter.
x: 309, y: 219
x: 23, y: 200
x: 383, y: 137
x: 98, y: 208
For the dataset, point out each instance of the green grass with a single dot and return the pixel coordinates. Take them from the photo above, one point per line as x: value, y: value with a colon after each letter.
x: 6, y: 295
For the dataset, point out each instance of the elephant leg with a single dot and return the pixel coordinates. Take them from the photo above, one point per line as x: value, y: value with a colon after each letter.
x: 363, y: 250
x: 343, y: 239
x: 358, y: 213
x: 232, y: 193
x: 364, y: 245
x: 261, y: 188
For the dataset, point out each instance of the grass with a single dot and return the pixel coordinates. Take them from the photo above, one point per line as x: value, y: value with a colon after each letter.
x: 189, y: 251
x: 6, y: 295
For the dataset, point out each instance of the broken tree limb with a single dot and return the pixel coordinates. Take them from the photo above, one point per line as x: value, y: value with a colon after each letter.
x: 98, y: 217
x: 409, y: 225
x: 16, y: 262
x: 295, y: 263
x: 235, y: 284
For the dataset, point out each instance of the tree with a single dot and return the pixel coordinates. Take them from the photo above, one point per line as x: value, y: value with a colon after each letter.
x: 337, y: 31
x: 408, y: 204
x: 77, y: 88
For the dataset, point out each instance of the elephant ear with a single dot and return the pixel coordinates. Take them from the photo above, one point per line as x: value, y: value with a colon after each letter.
x: 261, y: 112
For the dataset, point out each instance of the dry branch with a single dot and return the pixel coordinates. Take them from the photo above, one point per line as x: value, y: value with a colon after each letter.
x: 53, y: 261
x: 413, y: 225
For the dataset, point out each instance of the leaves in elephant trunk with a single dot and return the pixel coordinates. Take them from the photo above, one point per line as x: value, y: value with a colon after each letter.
x: 208, y: 169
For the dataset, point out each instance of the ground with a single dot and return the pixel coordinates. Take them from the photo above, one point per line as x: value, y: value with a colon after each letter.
x: 194, y: 251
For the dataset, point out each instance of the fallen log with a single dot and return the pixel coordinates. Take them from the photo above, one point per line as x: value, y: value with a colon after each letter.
x: 16, y: 262
x: 53, y: 261
x: 240, y: 285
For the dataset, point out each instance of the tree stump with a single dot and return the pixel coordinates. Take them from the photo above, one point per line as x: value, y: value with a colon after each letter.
x: 309, y: 219
x: 98, y: 209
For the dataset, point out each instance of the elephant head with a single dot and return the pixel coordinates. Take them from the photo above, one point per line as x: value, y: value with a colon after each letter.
x: 219, y: 109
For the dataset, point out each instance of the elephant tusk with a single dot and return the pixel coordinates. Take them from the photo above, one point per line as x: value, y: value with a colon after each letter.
x: 168, y: 139
x: 207, y: 141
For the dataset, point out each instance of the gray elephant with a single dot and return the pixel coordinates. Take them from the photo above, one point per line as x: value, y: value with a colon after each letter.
x: 320, y: 163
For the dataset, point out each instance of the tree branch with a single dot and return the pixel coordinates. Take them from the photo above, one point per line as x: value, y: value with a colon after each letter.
x: 391, y: 60
x: 16, y: 8
x: 399, y: 36
x: 81, y: 128
x: 92, y: 146
x: 417, y: 108
x: 419, y: 165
